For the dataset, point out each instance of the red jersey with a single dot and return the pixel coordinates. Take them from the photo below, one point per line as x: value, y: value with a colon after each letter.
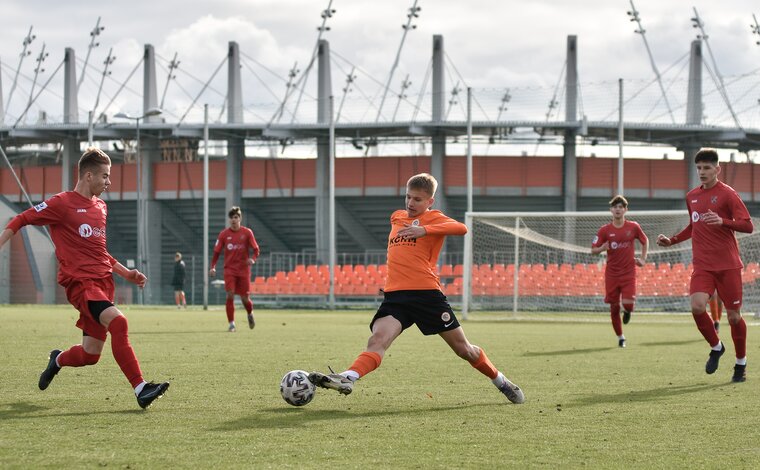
x: 412, y: 261
x: 714, y: 248
x: 621, y: 253
x: 78, y: 229
x: 236, y: 245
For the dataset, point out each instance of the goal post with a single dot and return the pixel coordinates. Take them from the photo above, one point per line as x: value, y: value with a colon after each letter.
x: 542, y: 262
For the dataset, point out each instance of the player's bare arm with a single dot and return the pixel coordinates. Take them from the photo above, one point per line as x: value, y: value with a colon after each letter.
x: 6, y: 235
x: 595, y: 250
x: 132, y: 275
x: 642, y: 260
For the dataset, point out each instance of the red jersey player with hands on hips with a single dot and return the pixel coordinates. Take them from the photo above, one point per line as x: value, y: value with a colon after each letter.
x: 237, y: 242
x: 618, y: 239
x: 412, y: 293
x: 77, y: 221
x: 716, y: 212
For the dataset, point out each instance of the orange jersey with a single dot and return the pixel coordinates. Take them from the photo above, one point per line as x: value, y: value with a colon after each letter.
x: 412, y: 261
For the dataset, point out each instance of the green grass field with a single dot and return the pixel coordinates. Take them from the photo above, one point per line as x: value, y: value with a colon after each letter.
x: 589, y: 403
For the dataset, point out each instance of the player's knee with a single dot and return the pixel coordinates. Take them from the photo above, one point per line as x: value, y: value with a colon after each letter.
x: 734, y: 317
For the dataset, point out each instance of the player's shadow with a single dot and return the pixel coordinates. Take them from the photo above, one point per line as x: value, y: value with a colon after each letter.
x: 565, y: 352
x: 291, y: 417
x: 18, y: 409
x: 672, y: 343
x: 653, y: 394
x: 24, y: 410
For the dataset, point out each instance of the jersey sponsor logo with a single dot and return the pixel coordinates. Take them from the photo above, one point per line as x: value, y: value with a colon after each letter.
x: 235, y: 246
x: 401, y: 241
x: 695, y: 216
x: 86, y: 231
x: 415, y: 223
x: 230, y: 246
x: 614, y: 245
x: 41, y: 206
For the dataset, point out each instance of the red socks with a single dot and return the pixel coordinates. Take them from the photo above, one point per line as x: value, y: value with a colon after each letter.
x: 705, y: 324
x: 617, y: 323
x: 230, y: 307
x: 483, y: 364
x: 366, y: 363
x: 123, y: 352
x: 248, y: 305
x: 76, y: 356
x: 739, y: 335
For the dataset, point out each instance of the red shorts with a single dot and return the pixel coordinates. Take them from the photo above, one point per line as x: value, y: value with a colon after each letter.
x: 728, y: 283
x: 85, y: 290
x: 617, y: 288
x: 240, y: 285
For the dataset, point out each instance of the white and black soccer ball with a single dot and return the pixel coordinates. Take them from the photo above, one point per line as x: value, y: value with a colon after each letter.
x: 296, y: 389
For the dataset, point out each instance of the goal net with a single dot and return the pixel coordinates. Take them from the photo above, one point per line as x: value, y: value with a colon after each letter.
x: 530, y: 261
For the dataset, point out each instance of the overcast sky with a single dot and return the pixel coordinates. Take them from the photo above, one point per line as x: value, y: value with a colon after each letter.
x: 490, y: 45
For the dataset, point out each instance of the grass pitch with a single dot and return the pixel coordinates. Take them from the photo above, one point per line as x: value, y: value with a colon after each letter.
x: 589, y: 403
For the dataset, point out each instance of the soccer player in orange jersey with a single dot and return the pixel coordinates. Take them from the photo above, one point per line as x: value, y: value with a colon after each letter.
x: 77, y: 222
x: 237, y: 242
x: 412, y: 293
x: 716, y: 212
x: 618, y: 239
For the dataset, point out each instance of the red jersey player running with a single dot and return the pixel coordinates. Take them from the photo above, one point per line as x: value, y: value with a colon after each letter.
x: 77, y: 221
x: 413, y: 293
x: 618, y: 239
x: 237, y: 241
x: 716, y: 213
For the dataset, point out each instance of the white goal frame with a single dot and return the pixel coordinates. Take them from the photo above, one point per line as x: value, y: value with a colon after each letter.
x: 670, y: 220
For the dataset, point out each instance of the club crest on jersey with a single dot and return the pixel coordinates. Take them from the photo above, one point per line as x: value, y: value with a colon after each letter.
x: 85, y: 231
x: 415, y: 222
x: 714, y: 199
x: 40, y: 207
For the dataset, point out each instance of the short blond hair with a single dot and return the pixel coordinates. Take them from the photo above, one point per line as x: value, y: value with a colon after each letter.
x: 423, y: 182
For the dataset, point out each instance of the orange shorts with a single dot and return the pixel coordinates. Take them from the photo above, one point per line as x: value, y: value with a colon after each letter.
x: 728, y: 283
x: 239, y: 285
x: 81, y: 292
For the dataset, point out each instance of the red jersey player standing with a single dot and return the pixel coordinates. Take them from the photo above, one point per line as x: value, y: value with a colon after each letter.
x: 618, y: 239
x: 237, y: 242
x: 77, y: 221
x: 716, y: 212
x: 412, y: 294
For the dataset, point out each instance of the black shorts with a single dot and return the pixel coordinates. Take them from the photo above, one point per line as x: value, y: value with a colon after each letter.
x: 428, y: 309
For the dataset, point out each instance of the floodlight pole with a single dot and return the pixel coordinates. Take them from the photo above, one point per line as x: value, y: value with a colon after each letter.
x: 24, y: 53
x: 620, y: 136
x: 205, y: 208
x: 469, y: 149
x: 331, y: 209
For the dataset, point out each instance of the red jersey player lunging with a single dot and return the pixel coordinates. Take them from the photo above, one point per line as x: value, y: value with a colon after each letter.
x: 413, y: 293
x: 237, y: 242
x: 716, y: 212
x: 77, y: 221
x: 618, y: 239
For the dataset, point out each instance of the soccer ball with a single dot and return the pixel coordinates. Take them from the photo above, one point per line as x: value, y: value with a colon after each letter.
x: 296, y: 389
